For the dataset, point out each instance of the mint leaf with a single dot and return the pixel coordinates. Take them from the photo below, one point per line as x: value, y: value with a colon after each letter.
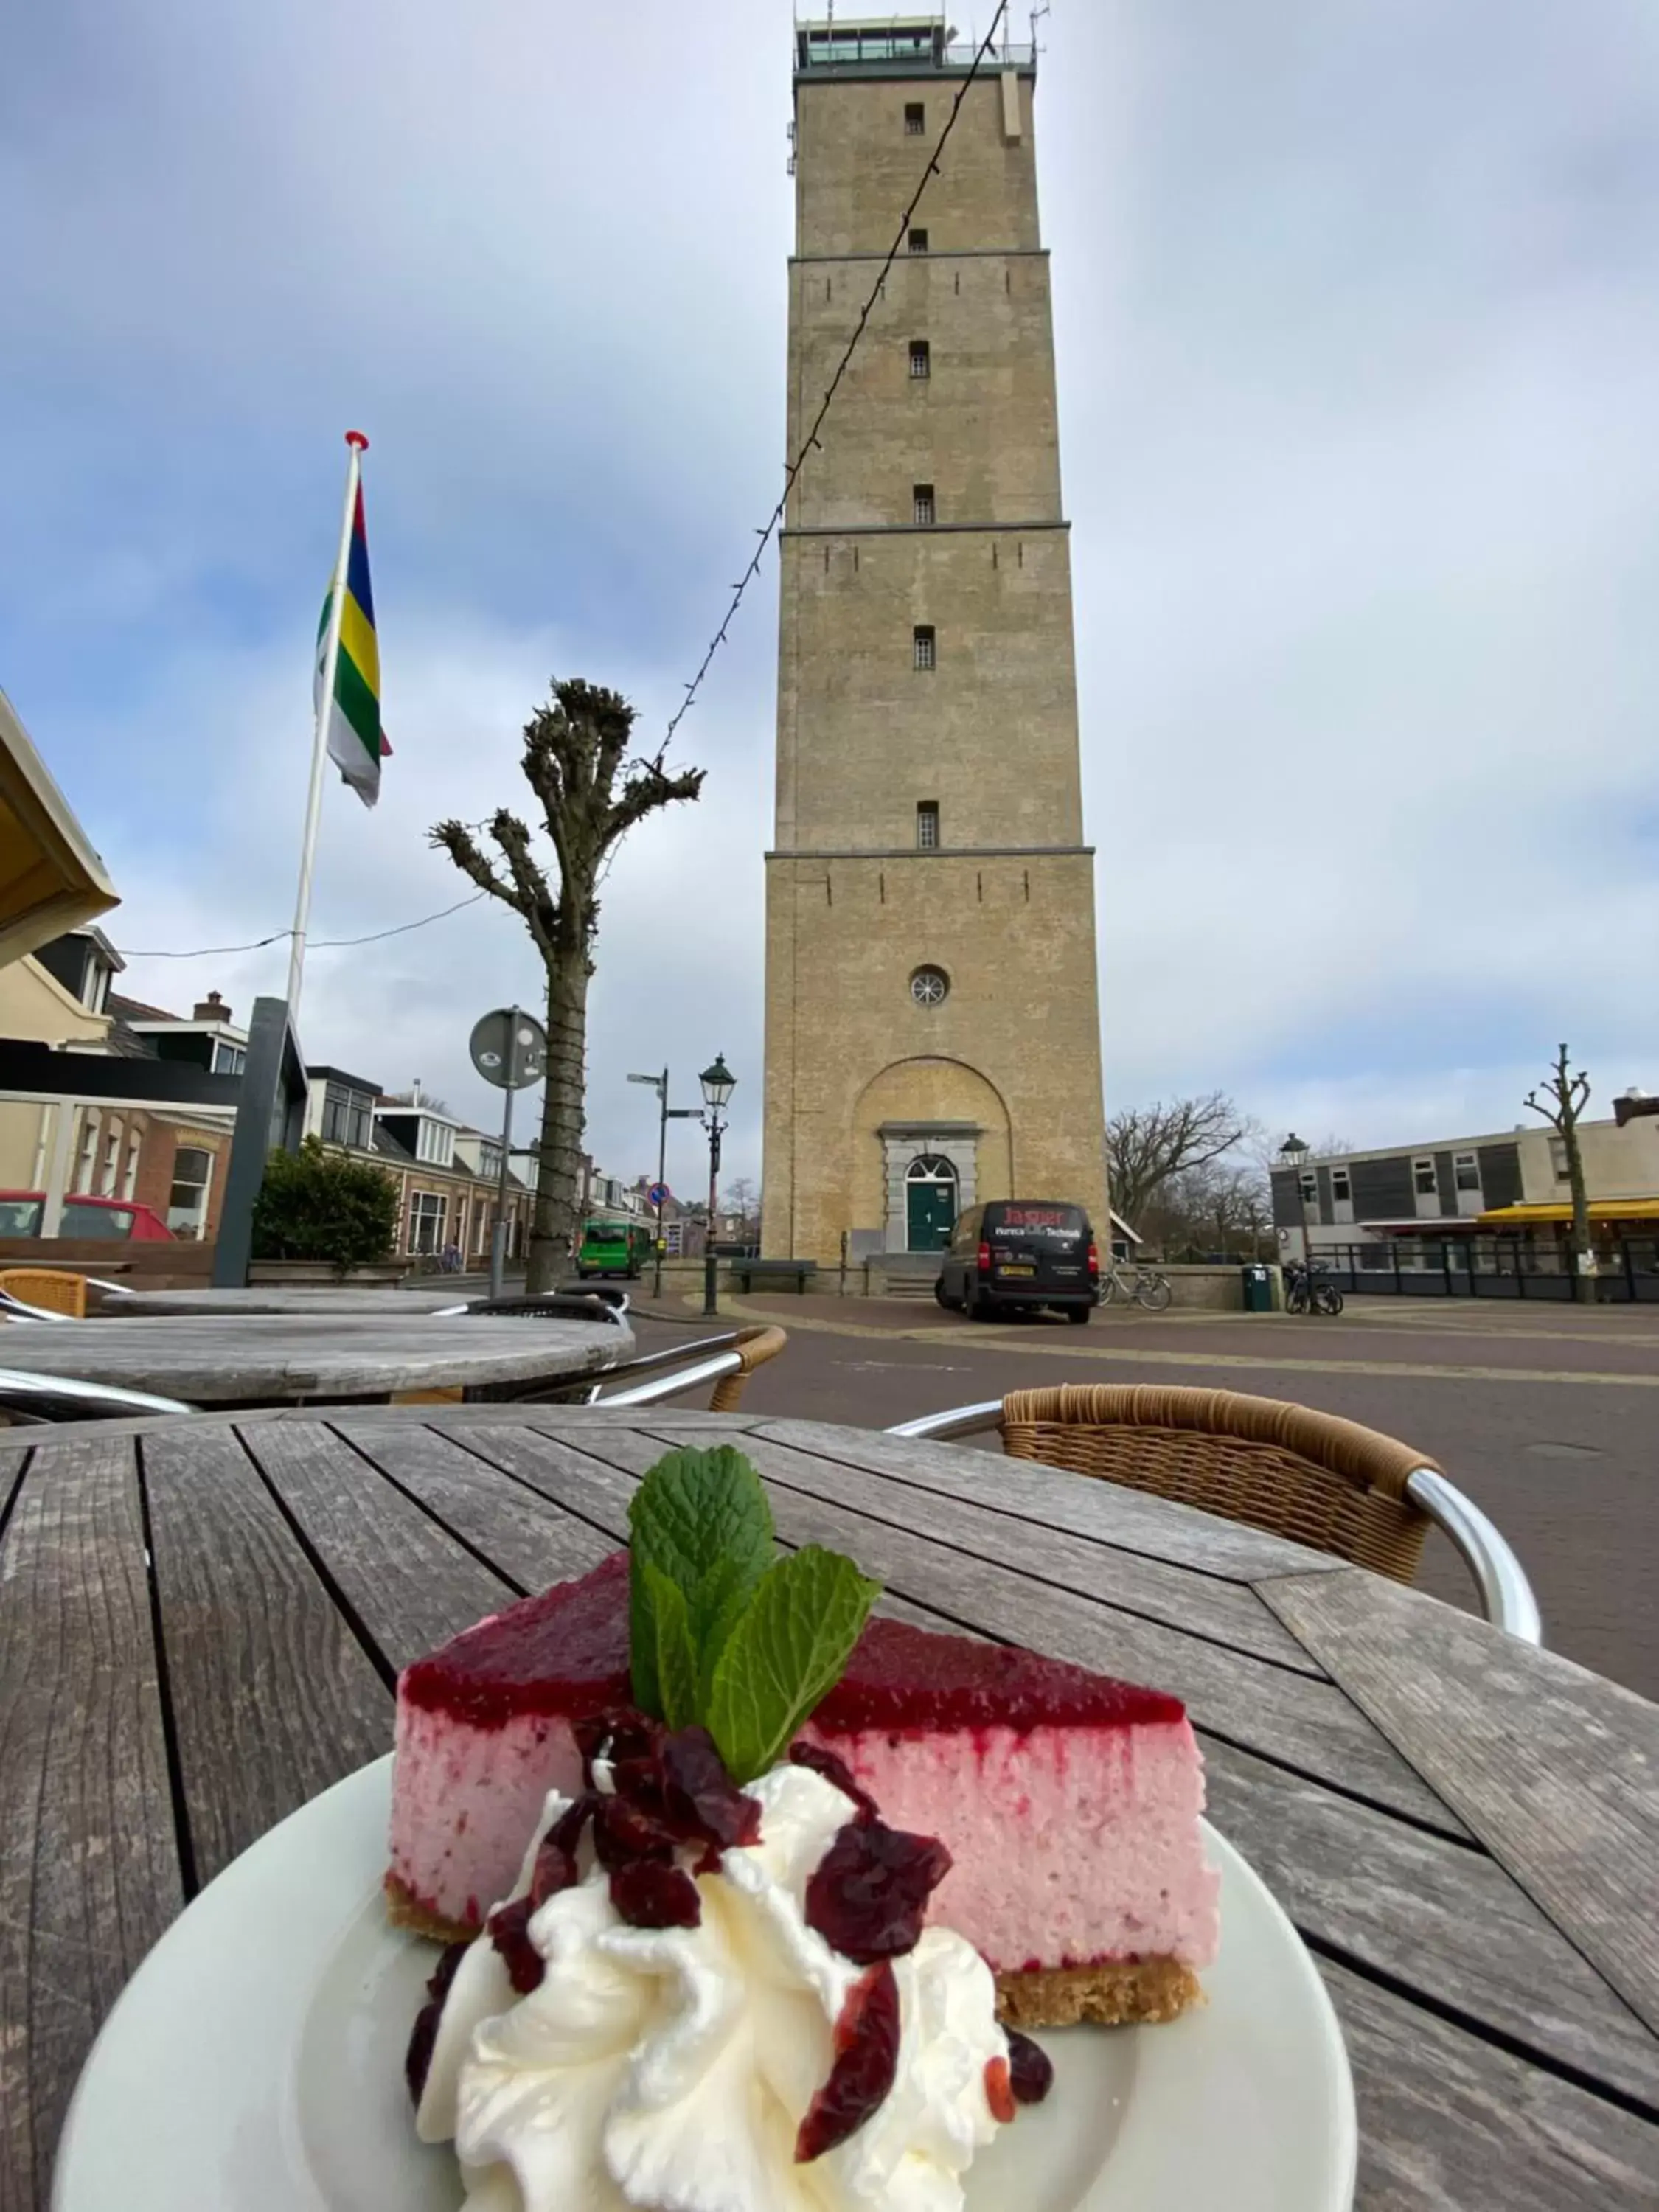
x: 786, y: 1653
x: 700, y: 1519
x: 676, y: 1656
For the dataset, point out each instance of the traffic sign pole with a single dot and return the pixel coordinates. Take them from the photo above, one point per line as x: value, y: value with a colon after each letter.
x: 498, y: 1236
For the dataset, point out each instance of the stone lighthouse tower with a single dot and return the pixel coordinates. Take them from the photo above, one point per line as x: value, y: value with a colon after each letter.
x: 932, y: 1017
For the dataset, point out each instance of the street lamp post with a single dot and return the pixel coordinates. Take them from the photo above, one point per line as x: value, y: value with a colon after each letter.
x: 718, y: 1083
x: 666, y: 1113
x: 1294, y: 1153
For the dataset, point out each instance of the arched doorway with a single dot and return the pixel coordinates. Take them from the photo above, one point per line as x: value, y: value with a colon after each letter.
x: 930, y: 1202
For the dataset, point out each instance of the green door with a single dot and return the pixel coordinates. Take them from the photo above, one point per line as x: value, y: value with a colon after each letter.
x: 930, y: 1207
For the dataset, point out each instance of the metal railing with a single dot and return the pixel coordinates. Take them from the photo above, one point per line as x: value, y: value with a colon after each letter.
x: 1491, y: 1267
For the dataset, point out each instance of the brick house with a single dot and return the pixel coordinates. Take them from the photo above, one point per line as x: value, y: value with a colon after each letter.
x: 445, y: 1173
x: 170, y: 1160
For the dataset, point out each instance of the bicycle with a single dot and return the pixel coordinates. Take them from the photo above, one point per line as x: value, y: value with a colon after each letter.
x: 1306, y: 1292
x: 1144, y: 1288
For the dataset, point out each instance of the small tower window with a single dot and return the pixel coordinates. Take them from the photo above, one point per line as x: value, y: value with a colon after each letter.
x: 930, y: 987
x: 921, y: 504
x: 922, y: 360
x: 915, y: 118
x: 918, y: 241
x: 921, y: 645
x: 927, y: 825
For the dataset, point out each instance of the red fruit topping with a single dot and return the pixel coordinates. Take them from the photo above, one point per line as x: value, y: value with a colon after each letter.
x: 1031, y: 2069
x: 700, y: 1802
x: 1000, y: 2091
x: 836, y: 1770
x: 869, y: 1895
x: 508, y: 1931
x: 624, y: 1832
x: 417, y: 2062
x: 866, y: 2061
x: 649, y: 1895
x: 555, y: 1865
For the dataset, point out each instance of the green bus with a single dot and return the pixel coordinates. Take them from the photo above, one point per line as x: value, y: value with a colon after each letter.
x: 613, y: 1248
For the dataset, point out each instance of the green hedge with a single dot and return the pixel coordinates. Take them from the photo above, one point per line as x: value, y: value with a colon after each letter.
x: 315, y: 1205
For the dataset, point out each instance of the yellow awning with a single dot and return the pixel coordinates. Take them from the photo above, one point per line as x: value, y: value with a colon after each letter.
x: 50, y: 879
x: 1601, y: 1209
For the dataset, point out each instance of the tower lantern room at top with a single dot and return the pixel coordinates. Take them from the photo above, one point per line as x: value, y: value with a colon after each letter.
x: 926, y: 44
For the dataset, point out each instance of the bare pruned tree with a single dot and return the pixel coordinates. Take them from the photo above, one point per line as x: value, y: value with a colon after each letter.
x: 1566, y: 1093
x: 1147, y: 1144
x: 592, y: 793
x: 743, y: 1203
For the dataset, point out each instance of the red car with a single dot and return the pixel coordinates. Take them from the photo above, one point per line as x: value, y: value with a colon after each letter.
x: 120, y: 1220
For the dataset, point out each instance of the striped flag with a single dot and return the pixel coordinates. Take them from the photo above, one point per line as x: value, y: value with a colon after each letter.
x: 356, y: 742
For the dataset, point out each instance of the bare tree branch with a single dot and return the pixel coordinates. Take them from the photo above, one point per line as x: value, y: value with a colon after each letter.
x: 453, y: 838
x: 1147, y: 1144
x: 1566, y: 1094
x: 575, y: 748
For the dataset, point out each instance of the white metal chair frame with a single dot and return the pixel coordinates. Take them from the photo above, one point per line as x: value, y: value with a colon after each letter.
x: 25, y: 1399
x: 1506, y: 1595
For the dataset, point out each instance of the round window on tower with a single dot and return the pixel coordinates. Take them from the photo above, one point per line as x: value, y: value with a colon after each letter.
x: 930, y: 987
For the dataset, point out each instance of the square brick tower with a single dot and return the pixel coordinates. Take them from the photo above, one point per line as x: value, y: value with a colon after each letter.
x: 933, y: 1032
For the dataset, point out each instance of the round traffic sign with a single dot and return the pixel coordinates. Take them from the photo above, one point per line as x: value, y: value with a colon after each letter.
x: 660, y: 1194
x: 509, y: 1049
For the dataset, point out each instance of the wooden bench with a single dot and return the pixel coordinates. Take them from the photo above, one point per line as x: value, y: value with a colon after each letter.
x: 757, y: 1274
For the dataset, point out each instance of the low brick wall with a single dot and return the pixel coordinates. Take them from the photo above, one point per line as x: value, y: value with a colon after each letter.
x: 1215, y: 1290
x: 381, y: 1275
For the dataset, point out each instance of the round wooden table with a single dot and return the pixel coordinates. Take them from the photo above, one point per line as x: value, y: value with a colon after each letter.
x: 202, y: 1621
x: 255, y: 1359
x: 296, y: 1298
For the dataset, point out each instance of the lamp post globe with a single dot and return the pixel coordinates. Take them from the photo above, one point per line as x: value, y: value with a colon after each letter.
x: 718, y: 1083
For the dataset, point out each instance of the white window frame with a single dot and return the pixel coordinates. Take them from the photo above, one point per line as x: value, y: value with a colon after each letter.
x: 1558, y: 1166
x: 923, y: 506
x: 110, y: 1174
x: 927, y: 836
x: 434, y: 1144
x: 424, y: 1206
x: 86, y: 1167
x: 922, y: 360
x: 192, y: 1220
x: 135, y: 1147
x: 1460, y: 1161
x: 924, y: 649
x: 1425, y: 1163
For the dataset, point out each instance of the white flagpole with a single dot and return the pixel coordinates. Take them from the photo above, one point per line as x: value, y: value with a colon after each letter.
x: 297, y: 956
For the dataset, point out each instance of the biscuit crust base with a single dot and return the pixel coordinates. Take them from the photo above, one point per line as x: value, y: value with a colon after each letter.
x: 1117, y: 1993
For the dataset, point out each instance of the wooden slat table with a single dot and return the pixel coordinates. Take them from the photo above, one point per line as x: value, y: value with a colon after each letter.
x: 201, y: 1623
x: 250, y: 1360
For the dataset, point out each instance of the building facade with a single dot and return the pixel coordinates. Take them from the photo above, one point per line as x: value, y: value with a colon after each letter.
x: 170, y: 1160
x: 931, y: 1009
x: 447, y: 1175
x: 1409, y: 1201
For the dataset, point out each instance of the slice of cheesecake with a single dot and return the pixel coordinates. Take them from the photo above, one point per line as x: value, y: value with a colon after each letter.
x: 1069, y: 1803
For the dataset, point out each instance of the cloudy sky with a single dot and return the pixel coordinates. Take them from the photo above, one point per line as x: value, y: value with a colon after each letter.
x: 1357, y: 315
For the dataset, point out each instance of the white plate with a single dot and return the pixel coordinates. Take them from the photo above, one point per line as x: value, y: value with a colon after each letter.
x: 254, y: 2062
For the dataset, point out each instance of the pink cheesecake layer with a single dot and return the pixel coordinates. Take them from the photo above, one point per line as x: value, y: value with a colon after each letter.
x: 1068, y: 1846
x: 466, y: 1802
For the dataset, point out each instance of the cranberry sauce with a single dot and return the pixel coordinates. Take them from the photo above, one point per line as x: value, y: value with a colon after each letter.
x: 649, y: 1895
x: 867, y: 2046
x: 836, y: 1771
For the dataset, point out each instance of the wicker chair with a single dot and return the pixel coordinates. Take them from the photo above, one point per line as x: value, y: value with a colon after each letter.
x: 1312, y: 1477
x: 727, y: 1361
x: 44, y: 1291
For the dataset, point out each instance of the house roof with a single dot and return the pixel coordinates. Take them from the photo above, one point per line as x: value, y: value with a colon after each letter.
x: 135, y: 1010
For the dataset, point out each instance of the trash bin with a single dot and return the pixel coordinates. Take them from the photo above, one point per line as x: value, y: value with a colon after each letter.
x: 1258, y: 1288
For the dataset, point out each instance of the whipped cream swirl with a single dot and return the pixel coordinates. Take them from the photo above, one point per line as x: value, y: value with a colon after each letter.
x: 671, y: 2069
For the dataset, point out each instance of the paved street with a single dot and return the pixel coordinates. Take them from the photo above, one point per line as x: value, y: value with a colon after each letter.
x: 1547, y: 1415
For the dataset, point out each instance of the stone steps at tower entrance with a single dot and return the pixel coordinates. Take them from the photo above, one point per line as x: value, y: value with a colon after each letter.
x: 909, y: 1274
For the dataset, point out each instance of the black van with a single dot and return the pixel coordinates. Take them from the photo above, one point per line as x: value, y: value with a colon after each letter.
x: 1021, y: 1251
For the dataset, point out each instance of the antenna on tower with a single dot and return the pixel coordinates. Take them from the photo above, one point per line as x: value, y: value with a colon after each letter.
x: 1037, y: 14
